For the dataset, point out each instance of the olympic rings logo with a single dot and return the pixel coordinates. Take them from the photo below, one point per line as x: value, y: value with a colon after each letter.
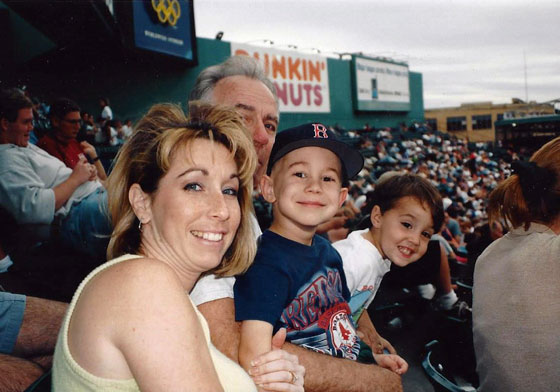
x: 167, y: 11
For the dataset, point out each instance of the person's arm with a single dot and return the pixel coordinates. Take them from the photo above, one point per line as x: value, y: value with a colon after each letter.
x: 324, y: 373
x: 452, y: 240
x: 320, y: 369
x: 458, y: 239
x: 255, y: 339
x: 225, y: 331
x: 368, y: 333
x: 90, y: 151
x: 17, y: 373
x: 39, y: 329
x: 63, y: 191
x: 456, y: 233
x: 444, y: 276
x: 278, y: 367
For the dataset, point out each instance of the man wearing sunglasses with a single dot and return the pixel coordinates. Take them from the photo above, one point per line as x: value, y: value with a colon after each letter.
x: 61, y: 140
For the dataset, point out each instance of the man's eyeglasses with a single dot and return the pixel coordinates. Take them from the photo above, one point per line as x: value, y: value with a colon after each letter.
x: 73, y: 122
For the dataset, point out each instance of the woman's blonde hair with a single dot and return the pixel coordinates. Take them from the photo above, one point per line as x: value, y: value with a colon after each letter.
x: 532, y: 192
x: 146, y: 157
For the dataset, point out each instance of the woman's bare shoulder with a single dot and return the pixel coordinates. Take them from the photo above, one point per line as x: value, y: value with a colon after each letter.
x: 133, y: 286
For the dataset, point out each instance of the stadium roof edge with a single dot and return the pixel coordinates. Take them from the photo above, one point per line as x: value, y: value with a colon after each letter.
x: 526, y: 120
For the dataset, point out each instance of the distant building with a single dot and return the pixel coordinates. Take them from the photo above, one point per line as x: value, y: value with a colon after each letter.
x: 475, y: 121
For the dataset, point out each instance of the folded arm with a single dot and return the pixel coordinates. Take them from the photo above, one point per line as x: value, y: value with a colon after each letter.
x: 330, y: 374
x: 64, y: 190
x: 255, y: 339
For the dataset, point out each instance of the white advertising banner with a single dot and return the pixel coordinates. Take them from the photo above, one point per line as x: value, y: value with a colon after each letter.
x: 381, y: 85
x: 302, y: 80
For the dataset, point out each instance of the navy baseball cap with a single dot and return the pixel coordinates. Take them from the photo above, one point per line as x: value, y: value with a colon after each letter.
x: 316, y: 135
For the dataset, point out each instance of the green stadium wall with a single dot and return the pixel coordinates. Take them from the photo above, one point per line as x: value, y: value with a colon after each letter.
x: 132, y: 86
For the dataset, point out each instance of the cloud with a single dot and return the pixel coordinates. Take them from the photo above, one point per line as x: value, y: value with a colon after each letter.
x: 466, y: 50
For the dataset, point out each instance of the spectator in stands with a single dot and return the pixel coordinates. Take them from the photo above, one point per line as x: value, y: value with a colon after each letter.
x: 28, y: 330
x: 110, y: 133
x: 35, y: 187
x: 118, y: 126
x: 481, y: 238
x: 40, y: 120
x: 88, y: 129
x: 452, y: 230
x: 61, y: 140
x: 127, y: 129
x: 106, y: 111
x: 102, y: 133
x: 180, y: 201
x: 516, y: 306
x: 240, y: 82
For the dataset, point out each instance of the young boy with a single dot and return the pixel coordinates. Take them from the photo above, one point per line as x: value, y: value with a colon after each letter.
x: 297, y: 281
x: 406, y: 210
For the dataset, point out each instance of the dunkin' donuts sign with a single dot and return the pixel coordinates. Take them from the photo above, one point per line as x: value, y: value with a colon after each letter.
x: 302, y: 80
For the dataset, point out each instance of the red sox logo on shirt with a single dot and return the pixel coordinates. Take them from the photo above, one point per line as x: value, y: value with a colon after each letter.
x: 343, y: 334
x: 320, y: 131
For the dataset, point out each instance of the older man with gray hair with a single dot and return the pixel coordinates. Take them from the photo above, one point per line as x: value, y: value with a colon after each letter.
x: 240, y: 82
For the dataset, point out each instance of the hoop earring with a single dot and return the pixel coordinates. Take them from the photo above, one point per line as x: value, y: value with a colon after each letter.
x: 140, y: 226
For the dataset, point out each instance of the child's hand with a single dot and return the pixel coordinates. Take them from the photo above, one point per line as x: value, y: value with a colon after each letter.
x: 392, y: 362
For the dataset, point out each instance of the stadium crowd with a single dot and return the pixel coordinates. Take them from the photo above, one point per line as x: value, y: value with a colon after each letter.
x: 72, y: 176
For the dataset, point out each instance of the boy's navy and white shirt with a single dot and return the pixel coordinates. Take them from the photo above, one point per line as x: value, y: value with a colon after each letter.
x: 302, y: 288
x: 364, y: 267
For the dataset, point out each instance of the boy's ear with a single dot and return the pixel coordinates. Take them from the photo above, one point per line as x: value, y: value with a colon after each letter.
x: 267, y: 188
x: 375, y: 217
x: 141, y: 203
x: 343, y: 196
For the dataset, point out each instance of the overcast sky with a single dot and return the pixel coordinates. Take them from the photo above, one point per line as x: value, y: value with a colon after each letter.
x: 467, y: 50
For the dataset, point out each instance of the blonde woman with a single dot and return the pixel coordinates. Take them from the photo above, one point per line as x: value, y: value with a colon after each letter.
x: 180, y: 198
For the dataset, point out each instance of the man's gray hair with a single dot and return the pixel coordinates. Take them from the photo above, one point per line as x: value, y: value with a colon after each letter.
x: 233, y: 66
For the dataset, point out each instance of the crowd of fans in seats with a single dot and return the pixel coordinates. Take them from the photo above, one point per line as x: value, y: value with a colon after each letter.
x: 464, y: 172
x: 102, y: 130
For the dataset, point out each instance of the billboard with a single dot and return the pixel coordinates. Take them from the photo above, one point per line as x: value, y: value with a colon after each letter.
x: 165, y: 27
x: 380, y: 85
x: 301, y: 80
